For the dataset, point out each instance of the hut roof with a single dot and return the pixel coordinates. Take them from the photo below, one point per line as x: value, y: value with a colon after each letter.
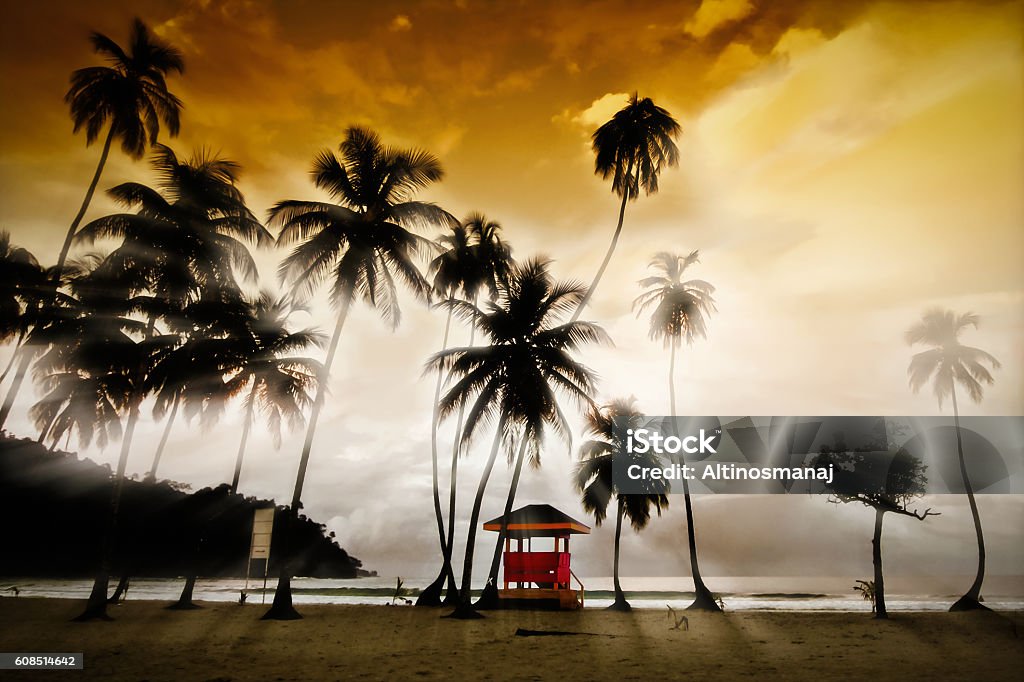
x: 538, y: 520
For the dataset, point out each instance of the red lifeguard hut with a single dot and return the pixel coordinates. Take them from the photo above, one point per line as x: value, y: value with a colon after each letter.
x: 542, y: 579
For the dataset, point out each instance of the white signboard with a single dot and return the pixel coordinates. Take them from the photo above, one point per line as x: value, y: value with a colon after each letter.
x: 262, y: 528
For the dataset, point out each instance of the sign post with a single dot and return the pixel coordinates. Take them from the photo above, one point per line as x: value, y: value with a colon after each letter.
x: 262, y: 529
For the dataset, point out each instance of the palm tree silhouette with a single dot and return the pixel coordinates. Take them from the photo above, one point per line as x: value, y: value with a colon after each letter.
x: 598, y: 459
x: 129, y: 96
x: 474, y: 257
x: 98, y: 361
x: 632, y: 149
x: 267, y: 370
x: 186, y: 235
x: 184, y: 244
x: 516, y: 377
x: 947, y: 363
x: 193, y: 372
x: 680, y: 312
x: 363, y: 243
x: 21, y: 284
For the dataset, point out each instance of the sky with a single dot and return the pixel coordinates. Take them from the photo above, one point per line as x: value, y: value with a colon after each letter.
x: 843, y: 167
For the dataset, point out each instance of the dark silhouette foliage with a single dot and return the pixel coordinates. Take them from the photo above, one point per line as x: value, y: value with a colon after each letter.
x: 55, y: 505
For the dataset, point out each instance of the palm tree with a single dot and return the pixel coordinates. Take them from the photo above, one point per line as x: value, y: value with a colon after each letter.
x: 188, y: 234
x: 185, y: 236
x: 275, y: 381
x: 184, y: 244
x: 363, y: 242
x: 517, y: 376
x: 129, y: 96
x: 680, y: 311
x: 21, y: 284
x: 193, y: 372
x: 947, y: 363
x: 474, y: 257
x: 98, y: 359
x: 631, y: 149
x: 598, y: 458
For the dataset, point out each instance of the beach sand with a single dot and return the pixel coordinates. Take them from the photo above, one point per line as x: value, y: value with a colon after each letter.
x: 229, y: 642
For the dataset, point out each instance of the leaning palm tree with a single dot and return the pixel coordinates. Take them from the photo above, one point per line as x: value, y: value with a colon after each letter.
x: 598, y: 459
x: 193, y: 372
x: 101, y: 356
x: 680, y: 312
x: 275, y: 380
x: 474, y: 257
x: 362, y: 243
x: 947, y: 363
x: 129, y: 96
x: 632, y: 149
x: 517, y: 377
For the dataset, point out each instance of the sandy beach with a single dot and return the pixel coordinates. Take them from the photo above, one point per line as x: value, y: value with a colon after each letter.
x: 229, y: 642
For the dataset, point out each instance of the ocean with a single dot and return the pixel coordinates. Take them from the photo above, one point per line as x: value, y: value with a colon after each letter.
x: 738, y: 593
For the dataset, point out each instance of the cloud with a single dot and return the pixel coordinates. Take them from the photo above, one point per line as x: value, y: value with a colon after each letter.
x: 712, y: 14
x: 400, y: 23
x: 595, y: 115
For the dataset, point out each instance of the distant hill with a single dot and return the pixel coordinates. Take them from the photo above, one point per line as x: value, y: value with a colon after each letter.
x: 53, y: 506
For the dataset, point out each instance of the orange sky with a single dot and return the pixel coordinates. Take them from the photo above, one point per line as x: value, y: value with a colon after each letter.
x: 843, y: 166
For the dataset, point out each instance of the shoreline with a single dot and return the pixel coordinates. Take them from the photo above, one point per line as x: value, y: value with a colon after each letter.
x: 228, y: 642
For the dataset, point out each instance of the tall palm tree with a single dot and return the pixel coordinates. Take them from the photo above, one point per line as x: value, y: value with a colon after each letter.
x: 193, y: 372
x: 129, y: 96
x: 275, y: 380
x: 598, y: 458
x: 98, y: 360
x: 947, y: 363
x: 183, y: 245
x: 517, y: 376
x: 362, y: 242
x: 632, y: 149
x: 680, y: 311
x: 474, y: 257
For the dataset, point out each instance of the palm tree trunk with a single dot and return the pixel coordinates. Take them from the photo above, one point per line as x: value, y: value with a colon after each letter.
x: 14, y: 355
x: 607, y: 256
x: 26, y: 358
x: 971, y: 600
x: 703, y: 598
x: 876, y: 560
x: 282, y: 608
x: 431, y: 595
x: 452, y: 596
x: 489, y: 598
x: 464, y: 609
x: 46, y: 429
x: 96, y: 607
x: 185, y: 602
x: 245, y: 437
x: 12, y: 392
x: 163, y: 439
x: 85, y: 203
x: 120, y: 590
x: 620, y: 603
